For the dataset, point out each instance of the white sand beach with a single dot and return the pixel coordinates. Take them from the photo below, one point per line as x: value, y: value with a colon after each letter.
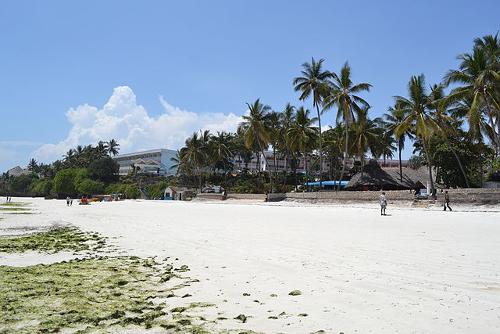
x: 415, y: 271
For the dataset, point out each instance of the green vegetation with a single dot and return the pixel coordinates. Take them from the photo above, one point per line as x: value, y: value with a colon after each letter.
x: 52, y: 241
x: 468, y: 110
x: 85, y: 296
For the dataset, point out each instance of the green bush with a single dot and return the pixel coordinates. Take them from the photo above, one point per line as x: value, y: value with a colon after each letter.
x: 66, y: 181
x: 156, y: 190
x: 104, y: 169
x: 90, y: 187
x: 42, y: 187
x: 132, y: 191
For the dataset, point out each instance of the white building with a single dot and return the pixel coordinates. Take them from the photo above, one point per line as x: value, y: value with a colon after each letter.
x: 151, y: 162
x: 282, y: 164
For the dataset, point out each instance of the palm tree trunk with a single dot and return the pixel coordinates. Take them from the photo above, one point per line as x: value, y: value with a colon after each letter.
x: 320, y: 148
x: 429, y: 166
x: 345, y: 156
x: 295, y: 173
x: 400, y: 163
x: 275, y: 163
x: 362, y: 165
x: 459, y: 164
x: 305, y: 170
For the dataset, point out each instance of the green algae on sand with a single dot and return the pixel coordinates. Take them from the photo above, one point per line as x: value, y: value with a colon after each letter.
x: 85, y: 295
x: 52, y: 241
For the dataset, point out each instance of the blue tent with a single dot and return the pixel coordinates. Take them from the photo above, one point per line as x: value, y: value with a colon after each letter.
x: 328, y: 183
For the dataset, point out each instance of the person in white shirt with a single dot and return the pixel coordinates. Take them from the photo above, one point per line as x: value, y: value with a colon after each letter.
x: 383, y: 204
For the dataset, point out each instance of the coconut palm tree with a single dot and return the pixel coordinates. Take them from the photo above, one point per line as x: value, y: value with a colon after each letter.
x: 365, y: 134
x: 395, y: 117
x: 220, y: 151
x: 314, y: 81
x: 439, y: 104
x: 287, y: 117
x: 274, y: 126
x: 113, y: 147
x: 333, y: 140
x: 343, y: 94
x: 255, y: 129
x: 418, y: 120
x: 195, y: 155
x: 479, y: 77
x: 303, y: 134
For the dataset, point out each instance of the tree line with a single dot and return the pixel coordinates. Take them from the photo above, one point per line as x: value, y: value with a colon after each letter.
x: 454, y: 124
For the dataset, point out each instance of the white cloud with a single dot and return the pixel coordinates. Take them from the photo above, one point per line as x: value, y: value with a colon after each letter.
x: 123, y: 119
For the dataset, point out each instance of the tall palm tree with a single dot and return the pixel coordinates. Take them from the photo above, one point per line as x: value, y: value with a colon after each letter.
x: 69, y: 155
x: 273, y: 124
x: 220, y: 151
x: 395, y: 117
x: 365, y: 134
x: 334, y: 142
x: 195, y: 155
x: 287, y: 117
x: 255, y: 128
x: 113, y: 147
x: 343, y: 94
x: 479, y: 77
x: 448, y: 126
x: 302, y: 134
x: 417, y: 117
x: 314, y: 81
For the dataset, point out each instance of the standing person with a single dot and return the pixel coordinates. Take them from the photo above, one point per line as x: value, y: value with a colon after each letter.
x: 446, y: 201
x: 383, y: 203
x: 70, y: 202
x: 67, y: 201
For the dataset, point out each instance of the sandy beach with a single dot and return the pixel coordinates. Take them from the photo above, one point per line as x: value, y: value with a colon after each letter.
x: 415, y: 271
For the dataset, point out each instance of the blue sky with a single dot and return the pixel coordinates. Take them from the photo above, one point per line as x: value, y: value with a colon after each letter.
x: 151, y: 72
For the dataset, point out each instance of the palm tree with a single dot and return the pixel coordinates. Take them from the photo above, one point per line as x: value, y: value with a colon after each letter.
x: 395, y: 117
x: 365, y: 134
x: 113, y: 147
x: 417, y: 117
x: 333, y: 140
x: 255, y: 128
x: 220, y: 151
x: 178, y: 162
x: 33, y: 166
x: 195, y: 155
x: 314, y: 81
x: 479, y: 76
x: 448, y: 126
x: 302, y: 134
x: 343, y: 94
x: 273, y: 124
x: 69, y: 155
x: 287, y: 117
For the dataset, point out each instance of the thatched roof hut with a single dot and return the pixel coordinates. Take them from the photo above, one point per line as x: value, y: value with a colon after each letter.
x: 375, y: 177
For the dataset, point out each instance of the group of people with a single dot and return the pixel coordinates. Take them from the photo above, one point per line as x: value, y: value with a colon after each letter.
x: 383, y: 202
x: 8, y: 199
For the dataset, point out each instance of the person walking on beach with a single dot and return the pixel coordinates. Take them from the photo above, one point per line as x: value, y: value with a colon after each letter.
x: 383, y: 203
x: 446, y: 201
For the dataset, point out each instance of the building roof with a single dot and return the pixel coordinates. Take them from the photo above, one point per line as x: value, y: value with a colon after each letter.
x: 17, y: 171
x: 376, y: 177
x: 327, y: 183
x: 133, y: 154
x: 145, y: 161
x: 179, y: 189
